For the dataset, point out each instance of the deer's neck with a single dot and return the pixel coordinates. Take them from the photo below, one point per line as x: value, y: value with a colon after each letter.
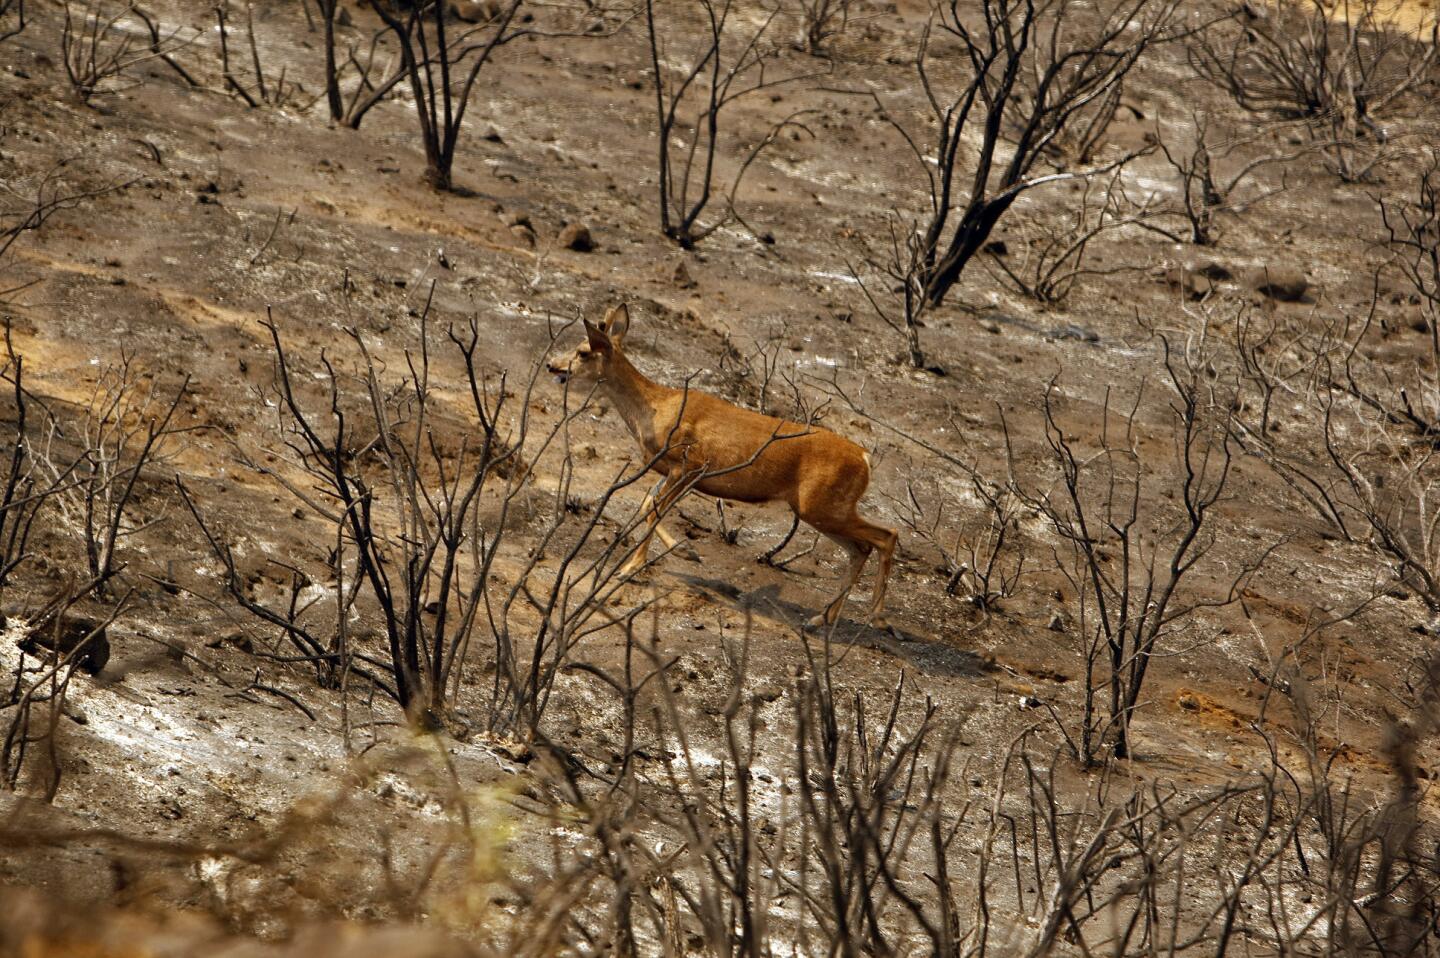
x: 635, y: 397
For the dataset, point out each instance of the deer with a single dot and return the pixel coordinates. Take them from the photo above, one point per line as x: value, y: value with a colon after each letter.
x: 699, y: 442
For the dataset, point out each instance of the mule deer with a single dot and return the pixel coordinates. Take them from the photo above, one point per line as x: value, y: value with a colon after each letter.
x: 698, y: 441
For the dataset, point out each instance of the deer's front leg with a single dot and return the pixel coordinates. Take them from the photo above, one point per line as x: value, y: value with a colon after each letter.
x: 666, y: 539
x: 675, y: 485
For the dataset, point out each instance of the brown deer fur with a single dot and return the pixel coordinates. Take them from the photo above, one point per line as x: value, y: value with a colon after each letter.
x: 701, y: 442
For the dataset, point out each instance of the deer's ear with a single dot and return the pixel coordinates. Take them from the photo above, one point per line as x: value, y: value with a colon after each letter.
x: 617, y: 323
x: 598, y: 340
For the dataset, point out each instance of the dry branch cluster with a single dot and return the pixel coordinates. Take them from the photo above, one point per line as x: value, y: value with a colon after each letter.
x: 424, y: 517
x: 1039, y: 90
x: 1345, y: 73
x: 869, y: 833
x: 82, y: 473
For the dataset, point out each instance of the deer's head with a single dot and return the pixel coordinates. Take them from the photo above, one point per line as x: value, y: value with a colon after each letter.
x: 590, y: 364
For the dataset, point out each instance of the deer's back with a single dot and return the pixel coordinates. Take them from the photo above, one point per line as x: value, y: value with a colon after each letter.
x: 759, y: 458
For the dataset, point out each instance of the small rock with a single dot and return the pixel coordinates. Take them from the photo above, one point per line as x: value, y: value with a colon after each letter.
x: 476, y: 11
x: 75, y: 630
x: 1213, y: 271
x: 577, y: 237
x: 343, y: 18
x: 1194, y: 286
x: 769, y: 692
x: 1057, y: 623
x: 1282, y: 283
x: 996, y: 248
x: 990, y: 326
x: 1074, y: 331
x: 468, y: 10
x: 239, y: 640
x: 1188, y: 702
x: 514, y: 750
x: 517, y: 218
x: 524, y: 234
x: 681, y: 276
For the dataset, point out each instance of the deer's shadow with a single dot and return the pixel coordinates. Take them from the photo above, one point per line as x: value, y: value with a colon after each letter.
x: 927, y: 655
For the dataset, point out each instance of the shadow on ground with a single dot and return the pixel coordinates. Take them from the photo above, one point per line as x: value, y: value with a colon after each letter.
x: 928, y: 656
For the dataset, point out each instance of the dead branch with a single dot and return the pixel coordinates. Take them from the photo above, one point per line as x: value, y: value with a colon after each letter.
x: 1341, y: 75
x: 729, y: 64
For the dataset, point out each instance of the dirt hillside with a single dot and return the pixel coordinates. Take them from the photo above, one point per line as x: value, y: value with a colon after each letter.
x: 221, y: 785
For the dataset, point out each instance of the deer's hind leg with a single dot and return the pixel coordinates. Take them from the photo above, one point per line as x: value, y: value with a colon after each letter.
x: 883, y: 539
x: 829, y: 504
x: 859, y: 537
x: 858, y: 552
